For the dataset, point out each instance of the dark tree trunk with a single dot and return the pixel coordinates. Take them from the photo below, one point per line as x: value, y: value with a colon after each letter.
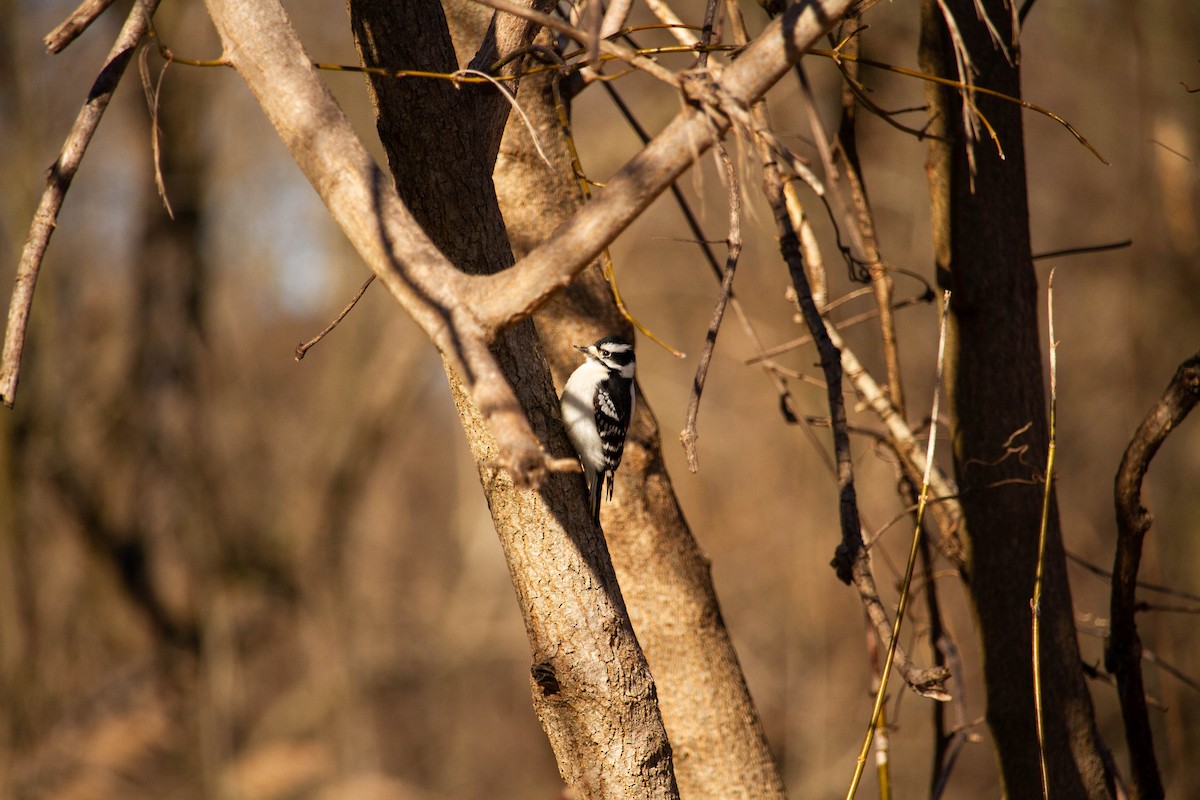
x: 998, y: 419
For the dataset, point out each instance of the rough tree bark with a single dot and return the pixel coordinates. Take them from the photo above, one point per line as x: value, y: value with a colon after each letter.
x: 591, y: 687
x: 998, y: 417
x: 716, y: 736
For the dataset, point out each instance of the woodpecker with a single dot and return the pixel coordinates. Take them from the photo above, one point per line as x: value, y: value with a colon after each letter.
x: 597, y: 405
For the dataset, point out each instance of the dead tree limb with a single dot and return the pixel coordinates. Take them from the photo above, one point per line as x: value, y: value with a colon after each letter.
x: 1123, y: 650
x: 76, y: 23
x: 58, y: 181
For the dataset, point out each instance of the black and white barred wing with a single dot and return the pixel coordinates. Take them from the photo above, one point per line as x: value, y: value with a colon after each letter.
x: 614, y: 407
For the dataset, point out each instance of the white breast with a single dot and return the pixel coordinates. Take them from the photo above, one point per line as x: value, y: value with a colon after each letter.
x: 580, y: 416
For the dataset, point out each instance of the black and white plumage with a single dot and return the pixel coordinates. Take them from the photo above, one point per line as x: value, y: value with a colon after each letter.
x: 597, y: 405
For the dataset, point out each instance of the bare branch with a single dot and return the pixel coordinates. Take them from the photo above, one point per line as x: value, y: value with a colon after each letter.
x: 974, y: 90
x: 303, y: 348
x: 76, y: 23
x: 929, y: 682
x: 1075, y: 251
x: 153, y: 91
x: 814, y: 262
x: 841, y: 325
x: 45, y: 219
x: 515, y: 293
x: 1150, y: 587
x: 1035, y: 603
x: 688, y: 437
x: 961, y: 732
x: 1123, y: 652
x: 706, y: 32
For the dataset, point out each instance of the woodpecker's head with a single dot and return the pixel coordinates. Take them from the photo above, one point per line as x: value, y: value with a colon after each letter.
x: 614, y: 352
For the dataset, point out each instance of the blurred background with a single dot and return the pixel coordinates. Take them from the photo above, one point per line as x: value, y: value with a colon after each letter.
x: 226, y: 574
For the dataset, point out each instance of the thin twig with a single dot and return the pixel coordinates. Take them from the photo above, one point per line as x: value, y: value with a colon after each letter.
x: 688, y: 436
x: 45, y: 219
x: 1035, y: 602
x: 76, y: 23
x: 706, y: 32
x: 883, y: 748
x: 1075, y: 251
x: 1148, y: 586
x: 841, y: 325
x: 303, y: 348
x: 960, y: 85
x: 860, y: 94
x: 1101, y: 676
x: 1150, y: 657
x: 153, y: 91
x: 512, y: 101
x: 1168, y: 608
x: 937, y: 634
x: 838, y: 201
x: 961, y: 733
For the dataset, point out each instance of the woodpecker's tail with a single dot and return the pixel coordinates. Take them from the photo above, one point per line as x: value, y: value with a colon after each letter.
x: 594, y: 491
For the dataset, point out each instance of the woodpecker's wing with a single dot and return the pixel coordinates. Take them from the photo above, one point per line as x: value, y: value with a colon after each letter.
x: 614, y: 406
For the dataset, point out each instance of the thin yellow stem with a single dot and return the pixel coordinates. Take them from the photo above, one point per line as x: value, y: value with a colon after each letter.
x: 1036, y: 602
x: 902, y: 605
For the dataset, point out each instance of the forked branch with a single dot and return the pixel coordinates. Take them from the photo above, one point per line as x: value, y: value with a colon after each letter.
x: 461, y: 314
x: 45, y: 219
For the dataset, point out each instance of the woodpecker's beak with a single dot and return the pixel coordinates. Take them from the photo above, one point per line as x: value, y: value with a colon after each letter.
x: 587, y: 350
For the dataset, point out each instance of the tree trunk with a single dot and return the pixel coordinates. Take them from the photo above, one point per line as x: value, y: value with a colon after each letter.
x: 998, y: 418
x: 719, y: 745
x: 592, y: 689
